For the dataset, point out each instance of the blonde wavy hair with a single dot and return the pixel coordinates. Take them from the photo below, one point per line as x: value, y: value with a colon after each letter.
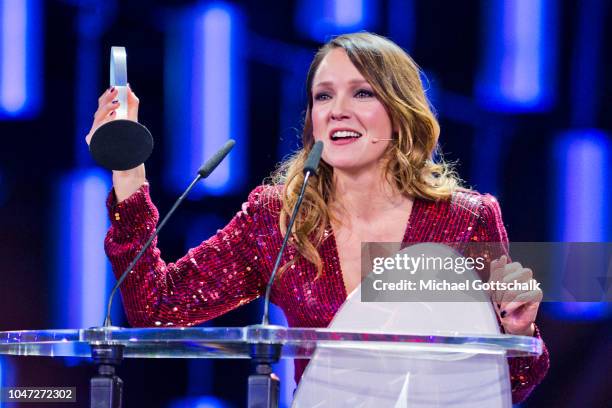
x: 410, y: 165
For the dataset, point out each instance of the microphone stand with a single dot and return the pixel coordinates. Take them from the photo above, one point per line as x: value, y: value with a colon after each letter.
x: 106, y: 388
x: 263, y: 384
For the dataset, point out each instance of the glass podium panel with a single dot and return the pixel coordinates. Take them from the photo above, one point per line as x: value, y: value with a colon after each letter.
x: 233, y: 342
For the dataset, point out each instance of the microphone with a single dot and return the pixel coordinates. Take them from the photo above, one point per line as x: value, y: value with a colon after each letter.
x: 313, y: 159
x: 204, y: 171
x: 310, y: 167
x: 376, y: 140
x: 212, y: 163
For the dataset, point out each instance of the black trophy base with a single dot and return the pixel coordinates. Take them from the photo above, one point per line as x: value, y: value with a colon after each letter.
x: 121, y: 144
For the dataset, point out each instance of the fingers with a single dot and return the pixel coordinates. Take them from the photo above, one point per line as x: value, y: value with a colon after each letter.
x: 521, y: 275
x: 108, y: 95
x: 531, y: 297
x: 107, y: 106
x: 497, y: 273
x: 497, y: 268
x: 517, y: 308
x: 133, y: 103
x: 106, y: 111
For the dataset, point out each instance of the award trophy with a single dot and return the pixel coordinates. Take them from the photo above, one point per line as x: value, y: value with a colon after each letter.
x: 120, y: 144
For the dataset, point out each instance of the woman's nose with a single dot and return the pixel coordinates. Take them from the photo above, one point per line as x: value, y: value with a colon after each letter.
x: 340, y: 110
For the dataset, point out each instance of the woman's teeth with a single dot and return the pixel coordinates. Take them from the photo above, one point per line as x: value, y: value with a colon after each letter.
x: 343, y: 134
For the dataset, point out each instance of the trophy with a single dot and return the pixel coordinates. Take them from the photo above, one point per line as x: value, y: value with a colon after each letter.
x: 120, y: 144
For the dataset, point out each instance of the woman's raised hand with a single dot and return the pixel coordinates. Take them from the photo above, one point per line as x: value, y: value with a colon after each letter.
x: 107, y: 108
x: 128, y: 181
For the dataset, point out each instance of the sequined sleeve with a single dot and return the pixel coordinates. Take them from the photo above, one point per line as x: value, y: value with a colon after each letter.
x: 525, y: 372
x: 221, y: 274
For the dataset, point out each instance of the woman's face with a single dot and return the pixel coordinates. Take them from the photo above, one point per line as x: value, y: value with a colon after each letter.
x: 347, y: 116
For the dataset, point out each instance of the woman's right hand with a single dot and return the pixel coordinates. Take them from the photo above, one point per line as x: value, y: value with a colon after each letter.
x: 125, y: 182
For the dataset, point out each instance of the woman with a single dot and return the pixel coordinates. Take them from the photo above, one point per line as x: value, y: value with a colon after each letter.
x: 377, y: 182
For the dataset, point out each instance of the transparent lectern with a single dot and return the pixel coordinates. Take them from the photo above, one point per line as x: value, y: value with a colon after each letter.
x: 365, y: 369
x: 373, y: 354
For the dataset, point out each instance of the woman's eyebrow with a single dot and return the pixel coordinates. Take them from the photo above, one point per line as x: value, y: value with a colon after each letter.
x: 352, y: 82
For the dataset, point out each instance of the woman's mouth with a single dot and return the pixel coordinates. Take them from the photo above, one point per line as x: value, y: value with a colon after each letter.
x: 345, y: 136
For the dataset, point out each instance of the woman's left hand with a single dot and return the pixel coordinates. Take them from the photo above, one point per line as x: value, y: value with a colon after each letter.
x: 517, y: 309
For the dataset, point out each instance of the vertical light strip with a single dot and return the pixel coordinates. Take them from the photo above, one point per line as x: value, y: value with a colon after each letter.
x: 583, y: 191
x: 71, y: 232
x: 320, y: 19
x: 2, y: 377
x: 285, y: 368
x: 7, y: 377
x: 83, y: 269
x: 217, y: 90
x: 519, y: 56
x: 524, y: 45
x: 20, y: 57
x: 583, y: 156
x: 348, y: 13
x: 205, y: 96
x: 14, y: 25
x: 94, y: 266
x: 199, y: 402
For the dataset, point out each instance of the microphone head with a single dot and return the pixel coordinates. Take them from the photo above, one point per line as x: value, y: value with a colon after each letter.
x: 314, y: 157
x: 212, y: 163
x: 121, y: 144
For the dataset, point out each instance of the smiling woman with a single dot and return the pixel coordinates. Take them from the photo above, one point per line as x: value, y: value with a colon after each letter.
x: 346, y: 111
x: 367, y: 104
x: 378, y: 182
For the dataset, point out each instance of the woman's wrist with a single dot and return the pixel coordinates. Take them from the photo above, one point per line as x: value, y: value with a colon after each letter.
x: 128, y: 182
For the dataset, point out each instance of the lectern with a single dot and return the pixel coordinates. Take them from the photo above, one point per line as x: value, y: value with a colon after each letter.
x: 364, y: 349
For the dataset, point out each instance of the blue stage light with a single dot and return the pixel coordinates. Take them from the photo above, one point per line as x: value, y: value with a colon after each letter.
x: 2, y: 384
x: 583, y: 186
x: 205, y: 96
x: 20, y: 58
x: 6, y: 377
x: 581, y: 213
x: 285, y: 368
x: 320, y: 19
x: 518, y: 72
x: 199, y: 402
x: 83, y: 271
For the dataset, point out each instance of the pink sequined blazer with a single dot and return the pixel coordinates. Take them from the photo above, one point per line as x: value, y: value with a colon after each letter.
x: 233, y: 267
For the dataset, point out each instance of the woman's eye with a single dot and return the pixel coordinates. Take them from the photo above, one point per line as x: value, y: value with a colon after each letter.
x: 321, y: 97
x: 364, y: 93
